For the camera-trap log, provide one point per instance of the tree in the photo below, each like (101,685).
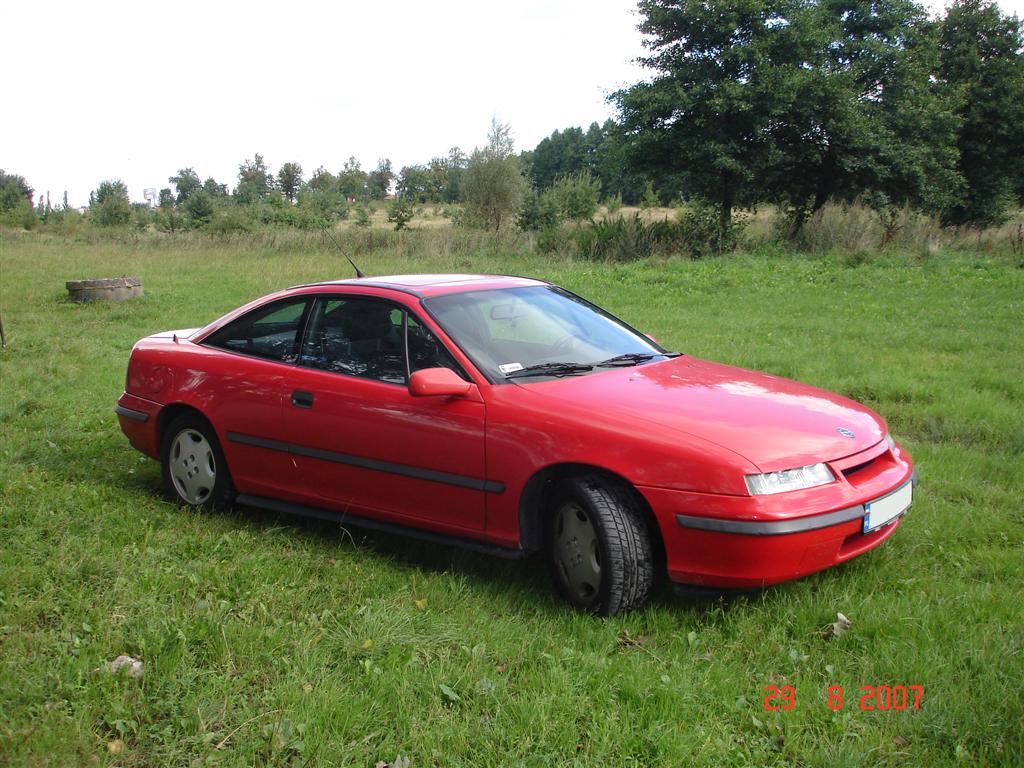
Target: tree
(322,180)
(722,69)
(185,182)
(14,191)
(109,204)
(363,219)
(538,212)
(379,180)
(400,212)
(793,100)
(214,189)
(867,117)
(289,180)
(199,207)
(414,182)
(493,184)
(981,60)
(254,180)
(455,167)
(352,179)
(166,198)
(577,195)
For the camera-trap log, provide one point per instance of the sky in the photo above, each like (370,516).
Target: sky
(139,90)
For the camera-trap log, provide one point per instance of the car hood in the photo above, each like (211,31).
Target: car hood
(774,423)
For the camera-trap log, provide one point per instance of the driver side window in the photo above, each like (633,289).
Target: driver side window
(357,336)
(363,336)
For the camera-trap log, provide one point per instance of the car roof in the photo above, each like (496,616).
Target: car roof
(432,284)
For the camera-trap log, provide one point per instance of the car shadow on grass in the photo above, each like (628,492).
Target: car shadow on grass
(513,581)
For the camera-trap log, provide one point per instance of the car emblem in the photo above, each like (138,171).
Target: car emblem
(845,432)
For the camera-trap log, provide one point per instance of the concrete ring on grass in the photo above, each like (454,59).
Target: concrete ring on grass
(106,289)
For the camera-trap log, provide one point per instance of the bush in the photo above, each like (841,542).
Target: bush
(650,198)
(700,231)
(199,206)
(362,217)
(231,219)
(539,212)
(613,204)
(21,214)
(400,212)
(576,195)
(109,205)
(621,239)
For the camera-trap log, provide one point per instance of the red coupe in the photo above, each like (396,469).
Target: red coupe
(512,416)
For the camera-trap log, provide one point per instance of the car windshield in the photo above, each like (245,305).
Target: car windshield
(538,331)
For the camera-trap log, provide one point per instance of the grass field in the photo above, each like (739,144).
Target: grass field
(269,640)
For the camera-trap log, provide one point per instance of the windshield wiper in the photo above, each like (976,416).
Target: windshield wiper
(550,369)
(633,358)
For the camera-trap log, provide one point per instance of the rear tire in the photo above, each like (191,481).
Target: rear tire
(195,472)
(599,546)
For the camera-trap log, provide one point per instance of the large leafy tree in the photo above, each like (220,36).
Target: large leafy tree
(378,182)
(867,116)
(322,180)
(352,179)
(186,181)
(724,73)
(982,61)
(109,204)
(255,182)
(560,154)
(289,180)
(14,191)
(800,101)
(493,184)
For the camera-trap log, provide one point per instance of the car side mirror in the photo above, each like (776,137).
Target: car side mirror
(438,382)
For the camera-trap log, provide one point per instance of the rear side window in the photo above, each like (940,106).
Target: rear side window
(271,332)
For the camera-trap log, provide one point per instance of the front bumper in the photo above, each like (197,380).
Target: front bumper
(737,542)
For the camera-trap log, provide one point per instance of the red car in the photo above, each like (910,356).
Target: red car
(512,416)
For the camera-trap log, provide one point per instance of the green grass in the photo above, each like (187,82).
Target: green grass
(270,640)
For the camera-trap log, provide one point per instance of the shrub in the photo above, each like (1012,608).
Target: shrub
(700,230)
(362,217)
(576,195)
(400,212)
(618,239)
(230,220)
(21,214)
(650,198)
(539,212)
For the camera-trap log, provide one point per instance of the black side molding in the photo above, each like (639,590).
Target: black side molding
(359,521)
(128,413)
(446,478)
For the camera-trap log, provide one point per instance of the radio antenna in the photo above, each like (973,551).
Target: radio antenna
(359,272)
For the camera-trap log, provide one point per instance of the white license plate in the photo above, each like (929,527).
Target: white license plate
(883,510)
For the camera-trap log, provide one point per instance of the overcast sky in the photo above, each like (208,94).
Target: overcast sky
(137,90)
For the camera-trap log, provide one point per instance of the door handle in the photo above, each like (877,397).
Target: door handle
(302,399)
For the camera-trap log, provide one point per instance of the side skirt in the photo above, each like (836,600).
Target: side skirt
(359,521)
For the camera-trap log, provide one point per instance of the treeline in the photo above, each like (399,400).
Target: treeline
(796,103)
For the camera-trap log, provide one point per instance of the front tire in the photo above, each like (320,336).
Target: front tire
(194,470)
(599,546)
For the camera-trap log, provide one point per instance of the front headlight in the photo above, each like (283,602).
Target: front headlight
(789,479)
